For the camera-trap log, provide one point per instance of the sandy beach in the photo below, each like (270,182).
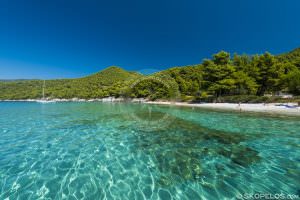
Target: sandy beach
(272,108)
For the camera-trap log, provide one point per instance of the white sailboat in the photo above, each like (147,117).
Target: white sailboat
(44,100)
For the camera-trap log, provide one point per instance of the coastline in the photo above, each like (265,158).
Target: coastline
(290,109)
(107,99)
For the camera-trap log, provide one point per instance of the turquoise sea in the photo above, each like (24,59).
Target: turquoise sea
(136,151)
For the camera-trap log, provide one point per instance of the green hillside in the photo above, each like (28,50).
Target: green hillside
(105,83)
(292,56)
(224,76)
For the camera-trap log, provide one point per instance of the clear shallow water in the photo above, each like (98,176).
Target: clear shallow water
(131,151)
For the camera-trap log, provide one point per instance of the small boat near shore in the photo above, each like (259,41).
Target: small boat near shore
(45,100)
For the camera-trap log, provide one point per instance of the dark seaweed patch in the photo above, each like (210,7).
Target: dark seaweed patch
(178,151)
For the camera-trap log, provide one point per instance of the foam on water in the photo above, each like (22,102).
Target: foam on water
(133,151)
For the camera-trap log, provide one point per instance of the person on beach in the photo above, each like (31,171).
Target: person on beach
(240,106)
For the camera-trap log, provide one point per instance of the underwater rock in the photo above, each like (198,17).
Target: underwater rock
(241,155)
(177,165)
(224,138)
(178,150)
(165,181)
(245,156)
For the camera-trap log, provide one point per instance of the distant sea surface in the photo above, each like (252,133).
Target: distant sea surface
(137,151)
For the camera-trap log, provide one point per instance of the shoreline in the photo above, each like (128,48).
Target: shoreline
(270,108)
(108,99)
(290,109)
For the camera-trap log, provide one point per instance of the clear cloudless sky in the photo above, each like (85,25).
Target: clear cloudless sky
(70,38)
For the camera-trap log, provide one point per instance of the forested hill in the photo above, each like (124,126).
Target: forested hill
(293,55)
(104,83)
(221,76)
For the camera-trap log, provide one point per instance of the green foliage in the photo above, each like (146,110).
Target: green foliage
(269,72)
(243,76)
(188,78)
(293,81)
(157,86)
(150,88)
(109,82)
(292,57)
(222,58)
(222,77)
(185,98)
(244,83)
(245,99)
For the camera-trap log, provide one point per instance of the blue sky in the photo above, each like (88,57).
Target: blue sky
(71,38)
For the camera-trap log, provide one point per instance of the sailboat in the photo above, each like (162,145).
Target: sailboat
(44,100)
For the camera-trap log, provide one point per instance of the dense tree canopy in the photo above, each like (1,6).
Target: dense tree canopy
(223,75)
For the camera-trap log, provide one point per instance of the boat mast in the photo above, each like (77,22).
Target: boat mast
(44,89)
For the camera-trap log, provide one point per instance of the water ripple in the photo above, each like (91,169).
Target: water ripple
(97,151)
